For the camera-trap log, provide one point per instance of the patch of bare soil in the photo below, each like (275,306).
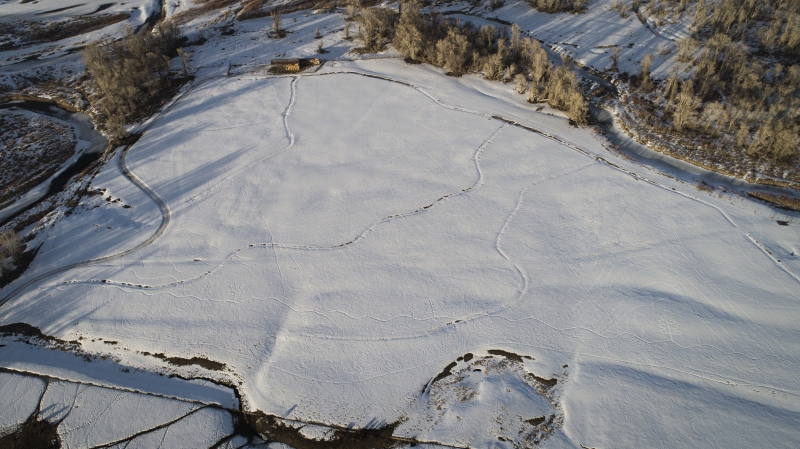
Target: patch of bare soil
(32,147)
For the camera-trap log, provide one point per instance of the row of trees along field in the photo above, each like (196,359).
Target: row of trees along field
(130,74)
(460,48)
(737,80)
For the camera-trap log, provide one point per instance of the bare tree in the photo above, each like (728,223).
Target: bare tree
(577,107)
(673,83)
(615,59)
(277,29)
(408,37)
(522,83)
(686,110)
(129,73)
(452,51)
(686,47)
(647,61)
(184,62)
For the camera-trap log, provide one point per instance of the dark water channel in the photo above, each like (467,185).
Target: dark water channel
(90,147)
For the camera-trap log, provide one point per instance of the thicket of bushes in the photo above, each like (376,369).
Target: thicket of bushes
(131,74)
(554,6)
(743,90)
(461,48)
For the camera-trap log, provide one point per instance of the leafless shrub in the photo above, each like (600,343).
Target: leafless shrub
(620,6)
(184,61)
(251,10)
(646,83)
(554,6)
(615,59)
(686,110)
(10,249)
(686,48)
(461,47)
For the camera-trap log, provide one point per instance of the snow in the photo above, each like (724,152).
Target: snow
(588,37)
(91,416)
(57,364)
(337,240)
(62,9)
(23,397)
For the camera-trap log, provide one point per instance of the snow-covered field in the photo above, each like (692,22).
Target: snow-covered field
(337,240)
(377,244)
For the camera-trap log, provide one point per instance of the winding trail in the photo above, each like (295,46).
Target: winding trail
(166,215)
(166,218)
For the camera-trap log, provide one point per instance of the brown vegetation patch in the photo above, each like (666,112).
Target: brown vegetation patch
(32,147)
(275,429)
(21,262)
(204,7)
(556,6)
(734,106)
(199,361)
(25,33)
(509,355)
(780,201)
(24,329)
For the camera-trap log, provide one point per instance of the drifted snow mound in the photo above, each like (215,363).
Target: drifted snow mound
(491,400)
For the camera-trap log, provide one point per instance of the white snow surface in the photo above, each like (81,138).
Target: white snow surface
(337,240)
(25,392)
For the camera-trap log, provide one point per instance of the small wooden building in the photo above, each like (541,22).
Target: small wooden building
(289,65)
(293,65)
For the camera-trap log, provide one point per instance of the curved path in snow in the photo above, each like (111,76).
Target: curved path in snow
(166,218)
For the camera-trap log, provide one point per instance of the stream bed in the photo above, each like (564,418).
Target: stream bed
(90,146)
